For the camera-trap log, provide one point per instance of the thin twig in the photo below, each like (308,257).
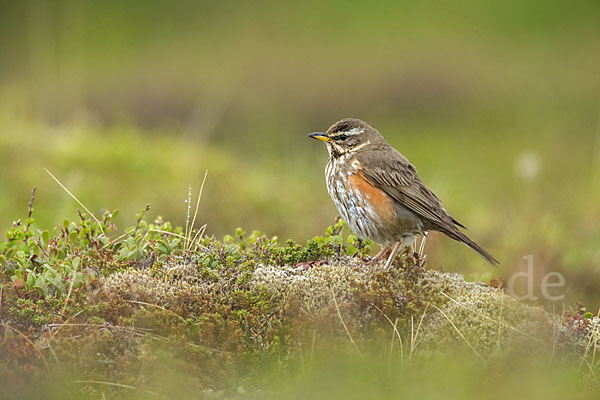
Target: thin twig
(60,327)
(30,342)
(30,211)
(412,334)
(70,290)
(199,233)
(167,233)
(415,334)
(156,306)
(116,240)
(76,199)
(197,206)
(492,319)
(119,385)
(459,332)
(392,343)
(189,208)
(394,325)
(592,374)
(343,323)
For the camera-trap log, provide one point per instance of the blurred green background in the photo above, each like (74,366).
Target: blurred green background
(495,102)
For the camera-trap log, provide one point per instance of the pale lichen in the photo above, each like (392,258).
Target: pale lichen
(449,309)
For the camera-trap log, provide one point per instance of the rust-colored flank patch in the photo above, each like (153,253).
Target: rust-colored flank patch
(376,198)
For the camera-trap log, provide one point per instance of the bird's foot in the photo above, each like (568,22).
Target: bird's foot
(420,260)
(375,259)
(412,259)
(390,259)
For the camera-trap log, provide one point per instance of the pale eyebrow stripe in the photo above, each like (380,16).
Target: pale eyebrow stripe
(354,131)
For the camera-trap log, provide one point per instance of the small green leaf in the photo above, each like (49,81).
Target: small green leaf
(45,237)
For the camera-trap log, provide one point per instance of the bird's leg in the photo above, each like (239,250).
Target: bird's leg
(392,255)
(419,256)
(380,254)
(422,245)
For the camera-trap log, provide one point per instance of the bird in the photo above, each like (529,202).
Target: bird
(379,194)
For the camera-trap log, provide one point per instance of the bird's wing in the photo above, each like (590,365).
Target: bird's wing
(398,178)
(391,172)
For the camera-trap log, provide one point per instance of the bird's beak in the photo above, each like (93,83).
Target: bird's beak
(320,136)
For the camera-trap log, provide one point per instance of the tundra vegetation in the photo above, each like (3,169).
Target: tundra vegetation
(163,311)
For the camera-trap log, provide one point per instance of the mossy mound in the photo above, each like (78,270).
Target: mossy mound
(159,310)
(443,307)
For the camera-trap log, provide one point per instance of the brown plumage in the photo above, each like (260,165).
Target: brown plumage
(377,190)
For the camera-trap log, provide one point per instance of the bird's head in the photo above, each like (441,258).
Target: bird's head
(348,136)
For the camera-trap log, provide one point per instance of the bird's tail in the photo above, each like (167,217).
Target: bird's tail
(461,237)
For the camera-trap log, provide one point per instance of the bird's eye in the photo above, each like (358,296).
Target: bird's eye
(342,137)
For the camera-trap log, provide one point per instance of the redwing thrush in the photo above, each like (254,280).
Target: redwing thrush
(378,193)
